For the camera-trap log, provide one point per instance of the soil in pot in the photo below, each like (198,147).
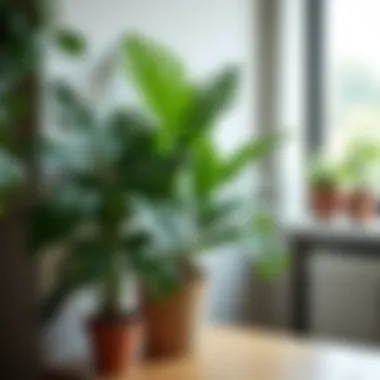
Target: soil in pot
(170,324)
(116,344)
(325,202)
(361,205)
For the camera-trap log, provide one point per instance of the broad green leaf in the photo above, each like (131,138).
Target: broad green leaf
(220,237)
(86,263)
(135,243)
(134,132)
(214,213)
(70,42)
(251,152)
(270,257)
(55,218)
(205,167)
(161,81)
(154,177)
(266,247)
(160,278)
(269,268)
(91,260)
(169,228)
(208,103)
(73,111)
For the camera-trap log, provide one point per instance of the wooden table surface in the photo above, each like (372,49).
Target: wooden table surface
(243,354)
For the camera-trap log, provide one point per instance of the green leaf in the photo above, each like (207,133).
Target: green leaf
(54,219)
(134,132)
(206,166)
(270,256)
(71,43)
(208,103)
(218,236)
(170,230)
(268,269)
(135,243)
(248,153)
(160,278)
(161,81)
(154,178)
(73,111)
(213,213)
(88,261)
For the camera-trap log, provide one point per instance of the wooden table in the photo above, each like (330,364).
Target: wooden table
(340,237)
(244,354)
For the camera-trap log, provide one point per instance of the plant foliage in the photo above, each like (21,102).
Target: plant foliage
(143,190)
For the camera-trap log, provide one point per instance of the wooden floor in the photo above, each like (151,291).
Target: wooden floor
(237,354)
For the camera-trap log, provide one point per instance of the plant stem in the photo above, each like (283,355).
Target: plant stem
(112,294)
(112,306)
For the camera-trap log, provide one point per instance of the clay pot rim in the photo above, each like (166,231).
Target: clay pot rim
(325,188)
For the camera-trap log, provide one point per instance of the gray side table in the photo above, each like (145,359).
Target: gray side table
(339,236)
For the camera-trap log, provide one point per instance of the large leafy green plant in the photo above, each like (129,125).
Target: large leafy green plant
(140,192)
(94,170)
(200,214)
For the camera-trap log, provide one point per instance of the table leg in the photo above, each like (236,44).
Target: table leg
(300,287)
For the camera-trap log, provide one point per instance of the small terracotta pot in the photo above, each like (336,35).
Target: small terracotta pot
(361,205)
(170,325)
(325,202)
(116,345)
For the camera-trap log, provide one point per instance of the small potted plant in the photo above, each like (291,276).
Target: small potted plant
(359,164)
(197,216)
(325,195)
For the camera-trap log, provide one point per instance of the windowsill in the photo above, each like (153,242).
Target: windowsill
(339,227)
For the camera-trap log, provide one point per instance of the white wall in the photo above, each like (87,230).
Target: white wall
(207,34)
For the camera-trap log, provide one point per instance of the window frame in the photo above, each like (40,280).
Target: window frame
(315,51)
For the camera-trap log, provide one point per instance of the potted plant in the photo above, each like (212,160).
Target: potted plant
(109,174)
(93,171)
(200,221)
(325,195)
(200,214)
(359,163)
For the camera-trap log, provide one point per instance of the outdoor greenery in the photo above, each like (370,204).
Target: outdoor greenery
(356,168)
(360,163)
(324,174)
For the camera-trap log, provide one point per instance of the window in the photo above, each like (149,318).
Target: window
(352,72)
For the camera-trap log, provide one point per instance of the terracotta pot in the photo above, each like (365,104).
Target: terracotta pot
(361,205)
(170,325)
(325,202)
(116,345)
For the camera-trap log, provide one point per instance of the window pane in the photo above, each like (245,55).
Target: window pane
(353,72)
